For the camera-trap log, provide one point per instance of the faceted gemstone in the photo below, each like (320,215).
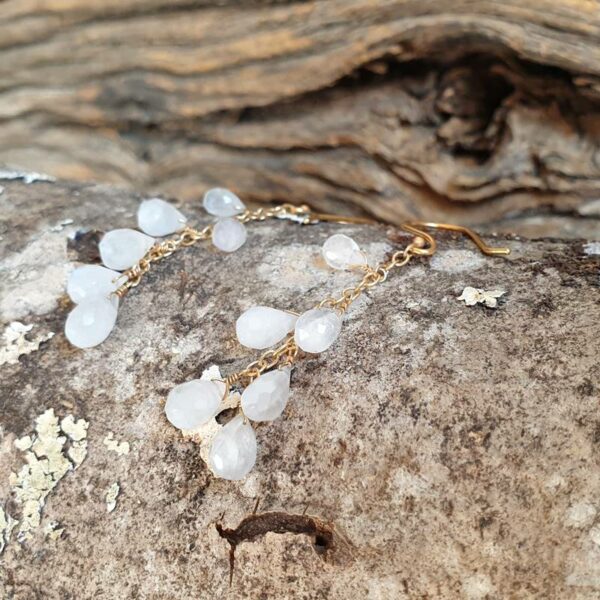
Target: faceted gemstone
(193,403)
(122,248)
(229,235)
(158,218)
(93,281)
(317,329)
(90,322)
(261,326)
(222,203)
(266,397)
(233,451)
(342,252)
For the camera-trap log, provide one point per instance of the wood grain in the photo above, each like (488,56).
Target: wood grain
(468,110)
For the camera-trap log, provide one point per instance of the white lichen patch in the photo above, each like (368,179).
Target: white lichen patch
(16,343)
(111,496)
(25,176)
(49,457)
(592,248)
(121,448)
(472,296)
(580,515)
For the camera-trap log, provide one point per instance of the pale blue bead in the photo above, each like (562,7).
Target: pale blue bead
(222,203)
(90,322)
(120,249)
(93,281)
(159,218)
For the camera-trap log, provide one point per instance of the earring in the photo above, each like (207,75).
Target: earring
(265,383)
(128,254)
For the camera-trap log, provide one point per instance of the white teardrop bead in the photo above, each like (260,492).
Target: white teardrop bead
(342,252)
(93,281)
(317,329)
(120,249)
(193,403)
(229,235)
(233,451)
(158,218)
(266,397)
(261,326)
(222,203)
(90,322)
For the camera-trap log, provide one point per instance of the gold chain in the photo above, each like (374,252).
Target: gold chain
(287,353)
(190,236)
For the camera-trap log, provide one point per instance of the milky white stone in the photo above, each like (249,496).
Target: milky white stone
(93,281)
(233,451)
(158,218)
(122,248)
(342,252)
(261,326)
(266,397)
(317,329)
(222,203)
(193,403)
(90,322)
(229,235)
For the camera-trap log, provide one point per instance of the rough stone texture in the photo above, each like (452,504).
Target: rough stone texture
(468,110)
(437,450)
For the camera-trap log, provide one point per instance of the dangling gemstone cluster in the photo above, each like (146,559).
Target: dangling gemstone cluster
(189,405)
(93,287)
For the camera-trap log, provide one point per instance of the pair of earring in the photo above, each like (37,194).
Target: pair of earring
(261,390)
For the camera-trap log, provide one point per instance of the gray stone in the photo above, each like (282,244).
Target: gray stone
(437,449)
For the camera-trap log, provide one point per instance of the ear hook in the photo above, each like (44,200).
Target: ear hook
(425,244)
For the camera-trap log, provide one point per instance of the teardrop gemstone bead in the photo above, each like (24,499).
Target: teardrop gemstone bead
(317,329)
(266,397)
(193,403)
(229,235)
(233,451)
(261,326)
(159,218)
(93,281)
(222,203)
(90,322)
(120,249)
(342,252)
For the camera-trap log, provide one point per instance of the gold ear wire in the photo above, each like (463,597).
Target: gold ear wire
(425,244)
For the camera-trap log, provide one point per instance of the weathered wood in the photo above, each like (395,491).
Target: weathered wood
(466,110)
(437,450)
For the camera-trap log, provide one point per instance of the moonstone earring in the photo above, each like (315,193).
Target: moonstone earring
(265,383)
(128,254)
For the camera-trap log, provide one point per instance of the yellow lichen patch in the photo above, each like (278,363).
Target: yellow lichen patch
(111,496)
(16,344)
(472,296)
(76,430)
(48,458)
(120,448)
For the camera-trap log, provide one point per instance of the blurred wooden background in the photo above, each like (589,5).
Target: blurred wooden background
(473,111)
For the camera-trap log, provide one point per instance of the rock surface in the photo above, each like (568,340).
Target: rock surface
(435,450)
